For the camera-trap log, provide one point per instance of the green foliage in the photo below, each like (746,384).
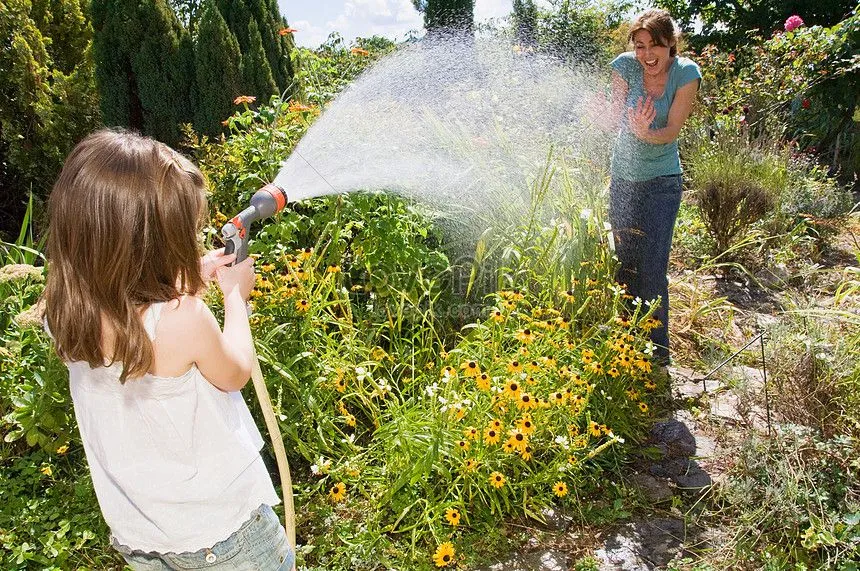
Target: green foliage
(447,16)
(794,501)
(140,80)
(219,79)
(727,24)
(579,30)
(49,100)
(49,518)
(256,73)
(526,20)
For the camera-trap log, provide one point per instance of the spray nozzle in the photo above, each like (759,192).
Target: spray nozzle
(266,202)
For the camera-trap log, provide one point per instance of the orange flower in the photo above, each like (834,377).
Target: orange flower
(244,99)
(359,52)
(296,107)
(287,30)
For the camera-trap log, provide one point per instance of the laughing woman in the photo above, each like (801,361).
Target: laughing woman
(653,91)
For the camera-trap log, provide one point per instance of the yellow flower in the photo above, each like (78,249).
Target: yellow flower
(444,555)
(337,492)
(563,322)
(463,445)
(449,373)
(595,367)
(483,382)
(517,440)
(525,335)
(558,397)
(470,465)
(515,367)
(305,253)
(578,380)
(526,402)
(526,425)
(63,449)
(643,364)
(497,316)
(497,479)
(512,390)
(650,385)
(471,367)
(333,269)
(267,267)
(613,372)
(526,454)
(350,420)
(569,296)
(303,305)
(593,428)
(340,384)
(532,366)
(650,324)
(46,470)
(560,489)
(632,394)
(452,516)
(491,435)
(643,407)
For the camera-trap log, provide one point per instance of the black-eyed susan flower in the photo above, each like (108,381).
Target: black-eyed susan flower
(463,445)
(444,555)
(508,447)
(483,381)
(305,253)
(497,316)
(613,372)
(470,368)
(533,366)
(569,296)
(559,489)
(452,516)
(530,380)
(650,323)
(337,493)
(471,433)
(512,390)
(650,385)
(491,435)
(593,428)
(449,374)
(525,336)
(577,379)
(340,384)
(632,394)
(517,440)
(526,454)
(643,407)
(470,465)
(333,269)
(515,367)
(497,479)
(558,398)
(303,305)
(526,402)
(525,424)
(496,423)
(350,420)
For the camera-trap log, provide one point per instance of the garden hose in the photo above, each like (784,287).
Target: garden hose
(266,202)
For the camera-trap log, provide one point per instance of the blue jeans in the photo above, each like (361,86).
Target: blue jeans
(259,545)
(643,219)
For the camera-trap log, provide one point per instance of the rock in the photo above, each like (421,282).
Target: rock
(556,521)
(694,478)
(655,490)
(669,467)
(544,560)
(643,545)
(677,438)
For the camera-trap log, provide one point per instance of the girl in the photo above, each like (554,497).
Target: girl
(653,91)
(172,448)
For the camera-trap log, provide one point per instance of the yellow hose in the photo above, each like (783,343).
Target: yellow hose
(280,453)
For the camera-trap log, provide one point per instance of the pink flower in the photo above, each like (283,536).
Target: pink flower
(793,22)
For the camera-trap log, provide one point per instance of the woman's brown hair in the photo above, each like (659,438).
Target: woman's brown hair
(661,26)
(124,219)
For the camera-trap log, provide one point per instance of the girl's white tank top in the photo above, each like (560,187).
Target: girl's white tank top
(175,461)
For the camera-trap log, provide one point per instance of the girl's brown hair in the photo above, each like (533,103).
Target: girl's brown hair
(124,218)
(661,26)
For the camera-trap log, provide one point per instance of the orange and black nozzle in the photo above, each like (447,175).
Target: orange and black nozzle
(266,202)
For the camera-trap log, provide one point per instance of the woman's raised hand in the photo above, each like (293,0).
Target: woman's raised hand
(639,118)
(213,260)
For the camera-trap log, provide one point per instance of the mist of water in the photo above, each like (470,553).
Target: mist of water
(460,126)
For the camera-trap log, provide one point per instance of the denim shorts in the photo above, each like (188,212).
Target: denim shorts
(259,545)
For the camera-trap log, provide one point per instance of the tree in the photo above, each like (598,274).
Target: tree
(447,16)
(137,53)
(727,23)
(256,73)
(218,74)
(48,104)
(526,22)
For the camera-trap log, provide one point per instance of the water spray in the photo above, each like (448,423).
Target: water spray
(266,202)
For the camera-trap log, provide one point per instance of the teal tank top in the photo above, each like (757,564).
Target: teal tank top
(636,160)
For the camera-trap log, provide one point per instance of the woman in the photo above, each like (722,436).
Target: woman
(653,91)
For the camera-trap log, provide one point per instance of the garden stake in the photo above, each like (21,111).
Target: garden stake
(266,202)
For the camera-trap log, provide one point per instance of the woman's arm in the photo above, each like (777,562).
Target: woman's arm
(681,108)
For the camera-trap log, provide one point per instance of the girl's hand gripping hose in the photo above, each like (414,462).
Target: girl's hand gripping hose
(266,202)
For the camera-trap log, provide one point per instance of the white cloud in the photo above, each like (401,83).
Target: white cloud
(486,9)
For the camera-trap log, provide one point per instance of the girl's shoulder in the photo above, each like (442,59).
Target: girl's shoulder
(625,64)
(686,70)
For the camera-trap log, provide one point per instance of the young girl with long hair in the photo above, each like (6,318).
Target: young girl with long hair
(172,448)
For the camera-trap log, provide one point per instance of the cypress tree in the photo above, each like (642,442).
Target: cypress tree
(219,78)
(276,46)
(136,47)
(256,73)
(525,19)
(449,16)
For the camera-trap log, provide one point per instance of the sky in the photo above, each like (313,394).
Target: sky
(316,19)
